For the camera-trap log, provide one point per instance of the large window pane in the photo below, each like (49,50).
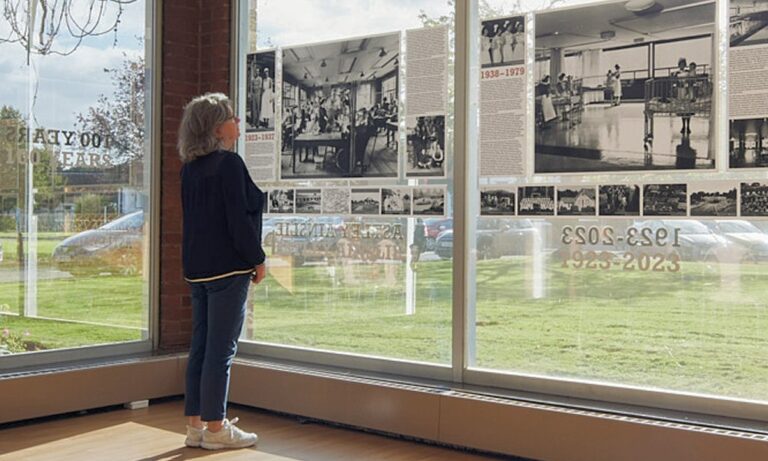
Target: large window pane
(683,311)
(74,176)
(340,282)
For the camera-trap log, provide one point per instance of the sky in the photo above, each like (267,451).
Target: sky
(279,24)
(67,85)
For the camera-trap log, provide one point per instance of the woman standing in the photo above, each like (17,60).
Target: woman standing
(617,85)
(683,81)
(268,100)
(222,254)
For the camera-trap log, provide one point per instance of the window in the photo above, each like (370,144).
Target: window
(74,180)
(620,255)
(350,281)
(612,311)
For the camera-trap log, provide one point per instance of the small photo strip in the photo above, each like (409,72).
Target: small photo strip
(536,201)
(754,199)
(713,199)
(619,200)
(576,201)
(335,201)
(665,200)
(281,201)
(429,201)
(365,202)
(396,200)
(308,201)
(498,200)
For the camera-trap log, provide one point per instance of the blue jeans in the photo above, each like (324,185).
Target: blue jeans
(218,312)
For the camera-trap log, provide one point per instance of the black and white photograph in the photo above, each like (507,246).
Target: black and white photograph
(498,201)
(748,143)
(713,199)
(340,109)
(335,200)
(281,201)
(619,200)
(665,200)
(308,201)
(625,86)
(429,201)
(536,200)
(747,22)
(754,199)
(365,201)
(426,146)
(576,201)
(260,91)
(396,200)
(502,41)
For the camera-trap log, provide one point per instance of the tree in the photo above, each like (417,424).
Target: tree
(59,26)
(120,116)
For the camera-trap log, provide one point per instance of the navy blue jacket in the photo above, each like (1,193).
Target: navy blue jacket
(222,217)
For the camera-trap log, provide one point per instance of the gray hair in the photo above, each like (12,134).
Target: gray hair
(201,117)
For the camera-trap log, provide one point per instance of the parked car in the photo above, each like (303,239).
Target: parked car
(496,238)
(115,246)
(750,244)
(697,242)
(434,227)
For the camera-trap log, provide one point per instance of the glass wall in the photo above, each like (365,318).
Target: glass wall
(642,271)
(622,250)
(74,174)
(353,280)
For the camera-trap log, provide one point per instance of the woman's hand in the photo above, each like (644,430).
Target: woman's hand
(259,273)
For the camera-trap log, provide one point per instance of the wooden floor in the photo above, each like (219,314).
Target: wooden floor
(157,434)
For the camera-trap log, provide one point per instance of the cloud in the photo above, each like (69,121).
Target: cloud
(338,19)
(65,85)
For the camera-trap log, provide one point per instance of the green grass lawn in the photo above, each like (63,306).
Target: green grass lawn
(703,329)
(46,242)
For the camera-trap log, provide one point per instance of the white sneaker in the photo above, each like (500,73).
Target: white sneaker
(194,437)
(230,436)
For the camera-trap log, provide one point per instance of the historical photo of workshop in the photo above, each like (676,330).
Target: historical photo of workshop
(625,86)
(426,146)
(396,200)
(748,143)
(712,199)
(308,201)
(754,199)
(339,109)
(747,22)
(365,202)
(429,201)
(576,201)
(536,200)
(665,200)
(260,92)
(281,200)
(619,200)
(498,201)
(502,42)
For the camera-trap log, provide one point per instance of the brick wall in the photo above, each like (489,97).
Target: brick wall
(196,47)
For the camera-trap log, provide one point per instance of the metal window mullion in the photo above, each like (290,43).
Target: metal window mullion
(461,276)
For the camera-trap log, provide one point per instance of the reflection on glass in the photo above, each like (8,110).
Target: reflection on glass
(351,282)
(73,181)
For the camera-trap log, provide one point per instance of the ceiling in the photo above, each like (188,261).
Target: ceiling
(580,28)
(344,61)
